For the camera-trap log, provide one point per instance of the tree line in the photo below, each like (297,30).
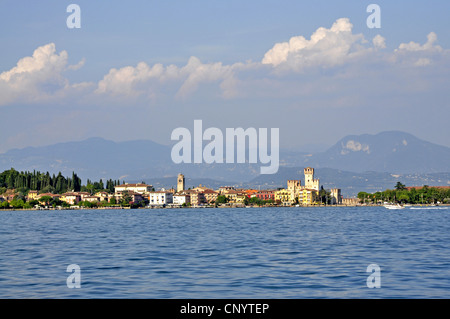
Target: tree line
(401,194)
(46,183)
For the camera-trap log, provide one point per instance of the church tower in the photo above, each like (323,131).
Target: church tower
(180,183)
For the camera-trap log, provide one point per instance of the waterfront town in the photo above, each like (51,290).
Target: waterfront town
(61,193)
(136,195)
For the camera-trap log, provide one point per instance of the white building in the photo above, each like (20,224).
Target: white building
(181,199)
(136,188)
(160,198)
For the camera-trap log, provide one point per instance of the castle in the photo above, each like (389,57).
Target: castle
(310,183)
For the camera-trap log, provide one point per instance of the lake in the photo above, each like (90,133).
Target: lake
(272,253)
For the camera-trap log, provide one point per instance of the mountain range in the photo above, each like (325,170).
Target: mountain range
(395,152)
(356,162)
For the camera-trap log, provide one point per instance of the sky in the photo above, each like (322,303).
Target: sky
(140,69)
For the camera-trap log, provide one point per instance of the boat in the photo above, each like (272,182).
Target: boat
(396,206)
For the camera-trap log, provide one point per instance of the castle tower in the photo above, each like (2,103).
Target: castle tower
(336,197)
(294,185)
(310,182)
(180,183)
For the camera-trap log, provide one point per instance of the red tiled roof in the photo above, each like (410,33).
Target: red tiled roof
(209,191)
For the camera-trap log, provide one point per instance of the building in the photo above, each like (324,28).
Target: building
(310,181)
(137,188)
(224,189)
(298,193)
(53,196)
(249,192)
(135,198)
(71,198)
(350,201)
(264,195)
(200,188)
(307,196)
(160,198)
(235,196)
(284,196)
(92,199)
(32,195)
(180,183)
(294,187)
(210,195)
(336,197)
(84,195)
(102,195)
(180,199)
(197,198)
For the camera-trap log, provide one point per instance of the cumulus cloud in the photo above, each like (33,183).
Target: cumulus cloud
(428,46)
(36,77)
(419,55)
(41,76)
(197,73)
(143,79)
(379,42)
(326,48)
(125,81)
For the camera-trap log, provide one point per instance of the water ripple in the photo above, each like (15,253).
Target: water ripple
(226,253)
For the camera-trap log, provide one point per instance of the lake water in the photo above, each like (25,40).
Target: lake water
(226,253)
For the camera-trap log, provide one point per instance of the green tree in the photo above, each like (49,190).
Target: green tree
(86,204)
(48,189)
(399,186)
(403,198)
(76,183)
(4,205)
(46,200)
(33,202)
(221,199)
(17,203)
(126,199)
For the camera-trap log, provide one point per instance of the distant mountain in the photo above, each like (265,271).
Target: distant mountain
(97,158)
(393,152)
(363,161)
(93,158)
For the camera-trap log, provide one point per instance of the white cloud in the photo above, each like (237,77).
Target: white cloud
(379,42)
(415,54)
(143,79)
(346,56)
(428,46)
(326,48)
(125,81)
(37,77)
(197,73)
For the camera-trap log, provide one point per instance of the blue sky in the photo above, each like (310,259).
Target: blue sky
(139,69)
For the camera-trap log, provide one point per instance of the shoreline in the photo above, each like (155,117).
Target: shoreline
(208,206)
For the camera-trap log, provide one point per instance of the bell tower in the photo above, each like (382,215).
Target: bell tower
(180,183)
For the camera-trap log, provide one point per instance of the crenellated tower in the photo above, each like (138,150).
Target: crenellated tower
(310,182)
